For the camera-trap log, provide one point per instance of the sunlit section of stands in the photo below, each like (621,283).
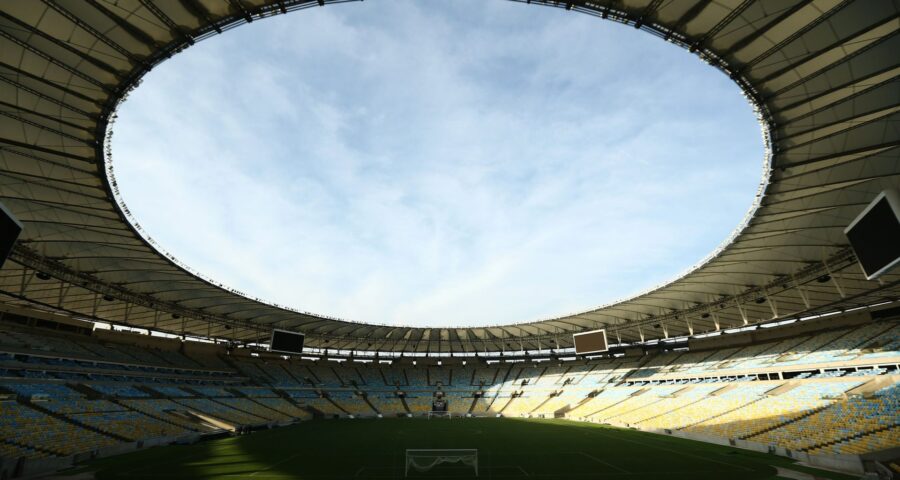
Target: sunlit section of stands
(884,345)
(773,410)
(669,403)
(554,404)
(637,401)
(524,404)
(841,422)
(531,376)
(214,409)
(870,442)
(721,401)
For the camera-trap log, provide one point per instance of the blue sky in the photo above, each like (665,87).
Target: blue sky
(437,163)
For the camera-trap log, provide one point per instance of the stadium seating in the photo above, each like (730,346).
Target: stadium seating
(840,425)
(216,409)
(167,411)
(459,403)
(419,405)
(103,394)
(774,410)
(387,403)
(30,429)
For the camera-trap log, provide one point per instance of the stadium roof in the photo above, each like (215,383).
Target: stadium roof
(822,73)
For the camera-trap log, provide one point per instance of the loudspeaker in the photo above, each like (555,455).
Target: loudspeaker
(10,228)
(875,235)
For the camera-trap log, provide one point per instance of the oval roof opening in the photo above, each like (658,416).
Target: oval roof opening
(432,165)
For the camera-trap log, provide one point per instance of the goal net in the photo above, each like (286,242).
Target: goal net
(444,414)
(423,460)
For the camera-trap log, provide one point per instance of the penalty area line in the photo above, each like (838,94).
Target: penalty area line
(603,462)
(677,452)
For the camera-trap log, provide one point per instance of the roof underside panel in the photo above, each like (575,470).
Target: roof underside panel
(823,75)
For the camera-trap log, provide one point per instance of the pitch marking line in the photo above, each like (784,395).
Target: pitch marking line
(523,471)
(677,452)
(603,462)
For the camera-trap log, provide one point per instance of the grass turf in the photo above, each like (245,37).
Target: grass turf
(508,448)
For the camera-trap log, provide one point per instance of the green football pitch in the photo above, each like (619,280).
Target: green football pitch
(507,449)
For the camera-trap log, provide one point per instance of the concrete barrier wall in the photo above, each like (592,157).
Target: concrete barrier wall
(116,449)
(38,466)
(154,442)
(848,463)
(8,467)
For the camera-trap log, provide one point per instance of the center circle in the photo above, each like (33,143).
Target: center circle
(437,164)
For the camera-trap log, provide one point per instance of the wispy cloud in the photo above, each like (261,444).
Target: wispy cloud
(437,163)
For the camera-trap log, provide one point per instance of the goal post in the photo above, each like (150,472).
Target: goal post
(441,414)
(424,459)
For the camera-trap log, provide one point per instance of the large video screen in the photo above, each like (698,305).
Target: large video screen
(875,235)
(590,342)
(9,232)
(286,342)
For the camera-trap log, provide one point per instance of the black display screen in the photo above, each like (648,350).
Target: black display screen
(287,342)
(9,232)
(876,238)
(590,342)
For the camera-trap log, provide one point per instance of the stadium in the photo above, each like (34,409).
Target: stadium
(778,356)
